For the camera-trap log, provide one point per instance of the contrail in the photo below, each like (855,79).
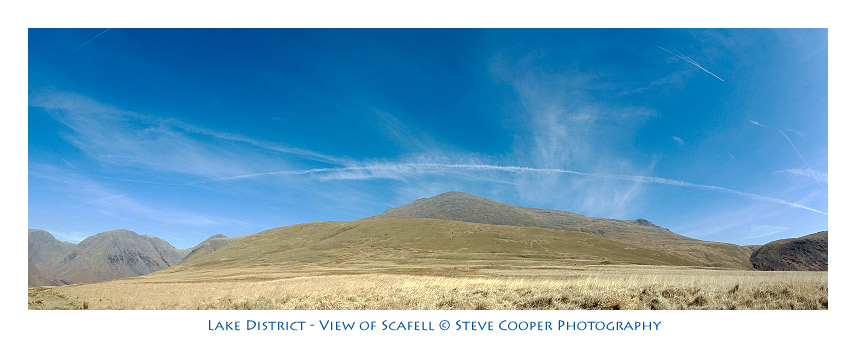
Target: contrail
(754,122)
(100,200)
(420,168)
(690,61)
(84,44)
(799,155)
(814,176)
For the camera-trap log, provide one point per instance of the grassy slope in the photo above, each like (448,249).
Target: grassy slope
(424,243)
(209,245)
(642,233)
(438,264)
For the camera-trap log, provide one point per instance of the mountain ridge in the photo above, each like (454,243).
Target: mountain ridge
(44,251)
(123,253)
(104,256)
(460,206)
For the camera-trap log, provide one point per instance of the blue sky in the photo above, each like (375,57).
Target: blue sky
(715,134)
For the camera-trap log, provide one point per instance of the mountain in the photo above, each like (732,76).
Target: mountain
(44,251)
(418,246)
(472,208)
(211,244)
(441,234)
(807,253)
(115,254)
(455,229)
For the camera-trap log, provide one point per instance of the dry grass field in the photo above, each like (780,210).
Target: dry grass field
(442,264)
(539,287)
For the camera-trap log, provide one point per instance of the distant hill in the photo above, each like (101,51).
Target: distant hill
(808,253)
(116,254)
(104,256)
(211,244)
(472,208)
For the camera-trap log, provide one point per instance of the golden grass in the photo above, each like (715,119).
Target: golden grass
(578,287)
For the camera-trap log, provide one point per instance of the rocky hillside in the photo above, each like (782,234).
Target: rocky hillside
(44,251)
(104,256)
(808,253)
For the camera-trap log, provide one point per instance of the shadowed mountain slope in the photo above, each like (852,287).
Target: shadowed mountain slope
(472,208)
(116,254)
(808,253)
(44,251)
(37,277)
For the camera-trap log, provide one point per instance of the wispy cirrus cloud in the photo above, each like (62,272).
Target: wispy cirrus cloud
(400,170)
(806,172)
(100,197)
(119,137)
(811,173)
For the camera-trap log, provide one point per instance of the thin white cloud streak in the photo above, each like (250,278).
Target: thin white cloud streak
(415,169)
(678,140)
(307,154)
(814,177)
(754,122)
(761,231)
(119,137)
(84,44)
(812,173)
(728,221)
(690,61)
(806,172)
(102,198)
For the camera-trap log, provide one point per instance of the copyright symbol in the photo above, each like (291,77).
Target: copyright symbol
(444,325)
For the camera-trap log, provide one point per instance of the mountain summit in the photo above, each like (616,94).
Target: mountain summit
(467,207)
(473,208)
(106,256)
